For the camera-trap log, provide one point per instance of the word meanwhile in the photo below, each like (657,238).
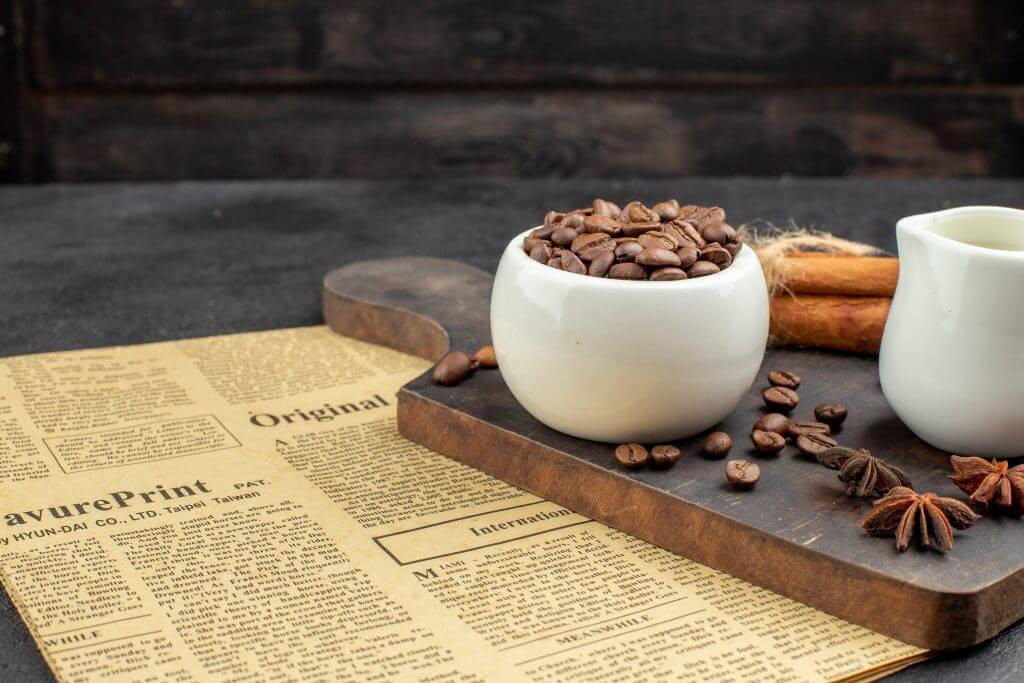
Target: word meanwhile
(112,500)
(325,414)
(532,519)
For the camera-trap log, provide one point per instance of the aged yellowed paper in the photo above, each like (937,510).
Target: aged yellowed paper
(242,508)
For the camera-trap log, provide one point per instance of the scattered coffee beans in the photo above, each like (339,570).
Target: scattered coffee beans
(780,398)
(814,443)
(664,243)
(768,443)
(784,378)
(631,455)
(797,428)
(831,413)
(485,357)
(717,445)
(773,422)
(453,368)
(665,455)
(742,474)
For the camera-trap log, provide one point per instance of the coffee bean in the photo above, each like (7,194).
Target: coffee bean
(573,221)
(798,427)
(777,398)
(657,258)
(541,252)
(635,212)
(485,357)
(773,422)
(667,273)
(637,229)
(591,245)
(723,233)
(812,444)
(563,236)
(767,442)
(627,251)
(702,268)
(831,413)
(605,224)
(552,219)
(717,445)
(453,368)
(717,255)
(689,232)
(555,262)
(688,255)
(742,474)
(571,263)
(627,271)
(605,208)
(784,378)
(631,455)
(666,210)
(665,455)
(656,239)
(600,265)
(530,242)
(733,247)
(585,211)
(702,215)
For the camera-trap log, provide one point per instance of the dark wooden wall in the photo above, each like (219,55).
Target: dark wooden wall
(168,89)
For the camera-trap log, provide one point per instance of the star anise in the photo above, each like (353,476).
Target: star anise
(865,473)
(990,482)
(905,513)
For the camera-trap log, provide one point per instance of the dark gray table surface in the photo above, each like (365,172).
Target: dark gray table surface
(96,265)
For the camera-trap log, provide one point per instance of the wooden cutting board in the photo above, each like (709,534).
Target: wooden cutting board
(796,533)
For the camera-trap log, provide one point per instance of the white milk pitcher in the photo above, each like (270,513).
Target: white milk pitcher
(952,358)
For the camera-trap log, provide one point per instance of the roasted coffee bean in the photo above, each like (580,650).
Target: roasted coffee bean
(773,422)
(541,252)
(627,271)
(555,262)
(665,455)
(733,247)
(627,251)
(689,233)
(831,413)
(767,442)
(716,254)
(585,211)
(688,255)
(667,273)
(656,239)
(784,378)
(637,229)
(657,258)
(631,455)
(778,398)
(590,246)
(453,368)
(798,427)
(636,212)
(543,233)
(742,474)
(530,242)
(573,221)
(666,210)
(717,445)
(571,263)
(812,444)
(563,236)
(702,268)
(553,218)
(723,233)
(601,223)
(601,264)
(485,357)
(702,215)
(603,207)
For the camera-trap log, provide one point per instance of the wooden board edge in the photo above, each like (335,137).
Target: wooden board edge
(895,609)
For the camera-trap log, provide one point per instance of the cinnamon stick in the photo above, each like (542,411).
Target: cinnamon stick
(817,273)
(840,323)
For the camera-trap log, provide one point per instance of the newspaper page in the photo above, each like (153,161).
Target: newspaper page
(242,508)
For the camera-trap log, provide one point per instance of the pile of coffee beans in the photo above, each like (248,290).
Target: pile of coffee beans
(770,433)
(661,243)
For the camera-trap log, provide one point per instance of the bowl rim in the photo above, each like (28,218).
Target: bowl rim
(742,263)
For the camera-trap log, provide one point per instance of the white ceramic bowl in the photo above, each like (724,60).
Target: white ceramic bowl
(620,361)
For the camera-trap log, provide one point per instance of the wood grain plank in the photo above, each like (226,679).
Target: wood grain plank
(511,133)
(155,43)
